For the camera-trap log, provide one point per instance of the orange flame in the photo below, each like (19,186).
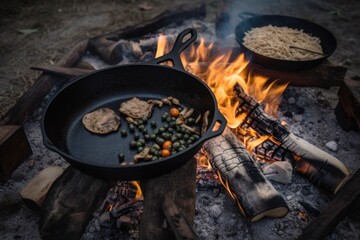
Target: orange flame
(139,194)
(222,75)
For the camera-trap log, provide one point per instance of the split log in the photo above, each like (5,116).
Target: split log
(34,193)
(254,194)
(108,46)
(321,168)
(344,203)
(14,149)
(179,186)
(69,204)
(348,108)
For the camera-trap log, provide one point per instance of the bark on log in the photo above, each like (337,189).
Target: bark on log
(62,71)
(344,202)
(321,168)
(34,193)
(70,203)
(108,46)
(179,186)
(254,194)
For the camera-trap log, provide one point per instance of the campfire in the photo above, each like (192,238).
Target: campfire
(256,146)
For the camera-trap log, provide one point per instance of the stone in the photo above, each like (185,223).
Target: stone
(332,145)
(215,211)
(280,171)
(297,117)
(291,100)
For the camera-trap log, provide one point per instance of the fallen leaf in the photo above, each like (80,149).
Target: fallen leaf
(27,31)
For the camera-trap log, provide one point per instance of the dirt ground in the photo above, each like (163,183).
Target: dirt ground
(41,32)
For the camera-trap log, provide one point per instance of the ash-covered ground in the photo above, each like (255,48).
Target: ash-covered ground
(217,215)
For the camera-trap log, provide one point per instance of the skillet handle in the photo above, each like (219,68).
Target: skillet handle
(174,55)
(219,119)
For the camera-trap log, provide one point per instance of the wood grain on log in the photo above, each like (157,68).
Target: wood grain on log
(321,168)
(62,71)
(70,203)
(108,46)
(344,202)
(254,194)
(179,186)
(34,193)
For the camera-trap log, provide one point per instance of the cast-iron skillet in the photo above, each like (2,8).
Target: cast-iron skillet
(95,154)
(328,41)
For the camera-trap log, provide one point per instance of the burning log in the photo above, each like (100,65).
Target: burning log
(322,169)
(253,193)
(69,204)
(179,186)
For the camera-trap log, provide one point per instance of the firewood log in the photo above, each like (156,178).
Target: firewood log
(321,168)
(34,193)
(179,186)
(254,194)
(70,203)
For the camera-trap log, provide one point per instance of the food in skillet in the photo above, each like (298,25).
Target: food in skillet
(178,128)
(101,121)
(283,43)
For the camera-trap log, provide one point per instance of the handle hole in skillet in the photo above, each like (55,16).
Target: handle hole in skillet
(166,63)
(216,126)
(186,37)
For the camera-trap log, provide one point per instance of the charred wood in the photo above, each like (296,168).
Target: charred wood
(70,203)
(108,46)
(253,193)
(180,188)
(321,168)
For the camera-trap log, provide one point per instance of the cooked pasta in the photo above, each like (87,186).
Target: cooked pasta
(282,43)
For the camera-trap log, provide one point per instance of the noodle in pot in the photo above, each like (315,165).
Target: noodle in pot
(277,42)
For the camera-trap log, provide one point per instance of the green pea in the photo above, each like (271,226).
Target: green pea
(166,126)
(139,149)
(179,135)
(156,147)
(176,145)
(153,124)
(154,158)
(172,123)
(186,136)
(190,121)
(181,148)
(192,139)
(140,122)
(144,120)
(141,127)
(133,144)
(153,136)
(142,141)
(136,136)
(164,116)
(173,138)
(189,142)
(161,130)
(144,130)
(182,142)
(159,141)
(132,128)
(156,131)
(139,144)
(123,132)
(170,130)
(146,137)
(121,157)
